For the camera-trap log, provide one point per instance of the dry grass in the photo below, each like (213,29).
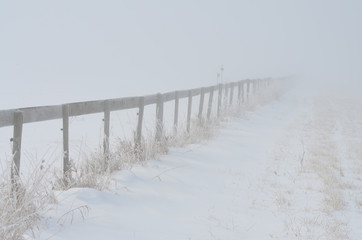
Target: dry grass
(20,211)
(323,164)
(93,169)
(282,201)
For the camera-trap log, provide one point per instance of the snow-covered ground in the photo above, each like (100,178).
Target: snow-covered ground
(290,169)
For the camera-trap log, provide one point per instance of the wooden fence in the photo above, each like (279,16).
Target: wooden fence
(18,117)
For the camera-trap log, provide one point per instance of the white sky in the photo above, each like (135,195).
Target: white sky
(53,52)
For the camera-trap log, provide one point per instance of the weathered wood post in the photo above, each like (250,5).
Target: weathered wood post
(175,116)
(66,164)
(201,106)
(219,101)
(209,106)
(138,146)
(248,90)
(226,95)
(159,117)
(255,86)
(231,93)
(242,91)
(106,119)
(239,93)
(189,112)
(262,84)
(17,136)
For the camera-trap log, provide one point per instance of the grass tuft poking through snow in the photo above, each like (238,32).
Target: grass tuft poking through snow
(94,170)
(20,211)
(324,182)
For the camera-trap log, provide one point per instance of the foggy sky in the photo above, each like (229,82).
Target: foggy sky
(53,52)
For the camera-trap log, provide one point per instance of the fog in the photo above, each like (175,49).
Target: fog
(52,52)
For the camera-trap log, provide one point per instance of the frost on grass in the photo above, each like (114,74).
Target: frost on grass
(20,211)
(93,170)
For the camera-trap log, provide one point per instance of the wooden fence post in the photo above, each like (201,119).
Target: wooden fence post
(201,106)
(231,93)
(106,119)
(17,136)
(247,90)
(209,106)
(226,96)
(243,94)
(141,108)
(140,120)
(159,117)
(239,93)
(189,112)
(66,165)
(175,117)
(254,85)
(262,85)
(219,101)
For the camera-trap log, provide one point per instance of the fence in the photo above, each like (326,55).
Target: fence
(18,117)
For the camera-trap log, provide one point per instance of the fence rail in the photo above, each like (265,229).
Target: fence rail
(18,117)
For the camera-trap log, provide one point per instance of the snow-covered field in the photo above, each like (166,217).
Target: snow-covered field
(290,169)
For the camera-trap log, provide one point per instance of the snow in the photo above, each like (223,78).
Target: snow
(286,170)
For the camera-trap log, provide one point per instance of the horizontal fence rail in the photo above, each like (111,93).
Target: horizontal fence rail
(45,113)
(225,92)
